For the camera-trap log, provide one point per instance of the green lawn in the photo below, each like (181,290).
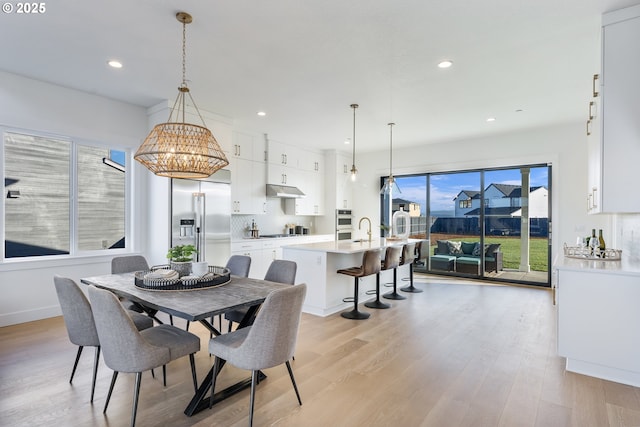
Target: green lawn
(510,247)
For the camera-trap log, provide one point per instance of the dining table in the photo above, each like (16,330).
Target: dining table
(195,305)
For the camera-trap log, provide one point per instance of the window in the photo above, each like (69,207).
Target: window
(464,204)
(62,197)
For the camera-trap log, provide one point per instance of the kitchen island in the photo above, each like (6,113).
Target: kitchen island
(319,262)
(598,318)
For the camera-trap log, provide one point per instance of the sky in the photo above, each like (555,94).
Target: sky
(445,187)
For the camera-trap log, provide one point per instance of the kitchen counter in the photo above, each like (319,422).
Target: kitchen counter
(351,247)
(319,262)
(624,266)
(598,317)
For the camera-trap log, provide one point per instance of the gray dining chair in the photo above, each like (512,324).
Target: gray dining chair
(238,265)
(128,350)
(130,264)
(81,328)
(269,342)
(280,271)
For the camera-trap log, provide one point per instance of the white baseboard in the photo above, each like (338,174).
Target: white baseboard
(29,315)
(605,372)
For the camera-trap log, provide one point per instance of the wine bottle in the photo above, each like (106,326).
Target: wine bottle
(602,244)
(594,243)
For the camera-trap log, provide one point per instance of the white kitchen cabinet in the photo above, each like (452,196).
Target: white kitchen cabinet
(296,167)
(598,318)
(264,251)
(343,183)
(253,249)
(248,175)
(618,108)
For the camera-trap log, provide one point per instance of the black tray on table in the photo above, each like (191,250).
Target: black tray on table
(217,276)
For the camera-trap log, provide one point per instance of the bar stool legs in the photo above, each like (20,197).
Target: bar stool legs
(411,288)
(377,303)
(354,314)
(394,294)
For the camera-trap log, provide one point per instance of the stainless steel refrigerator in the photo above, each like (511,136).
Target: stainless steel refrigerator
(201,216)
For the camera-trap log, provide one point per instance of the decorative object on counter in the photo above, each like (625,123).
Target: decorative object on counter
(603,246)
(581,252)
(354,171)
(255,233)
(177,149)
(180,258)
(162,278)
(400,221)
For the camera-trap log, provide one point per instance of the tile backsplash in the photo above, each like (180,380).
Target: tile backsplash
(272,222)
(628,236)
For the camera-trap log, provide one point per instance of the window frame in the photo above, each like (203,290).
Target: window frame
(74,251)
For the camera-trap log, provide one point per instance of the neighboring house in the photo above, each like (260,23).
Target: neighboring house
(502,200)
(406,205)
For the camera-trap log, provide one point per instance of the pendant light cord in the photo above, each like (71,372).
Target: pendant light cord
(391,152)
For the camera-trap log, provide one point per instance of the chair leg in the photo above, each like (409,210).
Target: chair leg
(355,314)
(411,288)
(75,365)
(187,328)
(377,303)
(193,372)
(95,372)
(216,369)
(254,380)
(136,395)
(113,382)
(153,374)
(164,375)
(293,381)
(394,295)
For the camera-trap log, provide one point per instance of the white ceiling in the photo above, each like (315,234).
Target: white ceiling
(304,62)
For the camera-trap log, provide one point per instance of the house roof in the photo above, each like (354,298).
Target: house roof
(403,201)
(471,194)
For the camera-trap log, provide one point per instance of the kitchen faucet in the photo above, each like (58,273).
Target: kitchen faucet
(360,224)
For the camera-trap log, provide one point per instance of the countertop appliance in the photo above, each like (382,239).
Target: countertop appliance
(201,216)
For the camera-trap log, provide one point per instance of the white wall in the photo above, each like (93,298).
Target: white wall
(27,286)
(563,146)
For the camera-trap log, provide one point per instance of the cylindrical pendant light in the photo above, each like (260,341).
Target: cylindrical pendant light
(354,171)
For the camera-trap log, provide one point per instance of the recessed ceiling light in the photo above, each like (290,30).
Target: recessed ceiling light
(491,119)
(347,141)
(115,64)
(519,110)
(262,113)
(445,64)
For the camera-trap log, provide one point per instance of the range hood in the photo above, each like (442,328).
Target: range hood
(284,191)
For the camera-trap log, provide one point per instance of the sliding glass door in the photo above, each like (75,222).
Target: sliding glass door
(489,223)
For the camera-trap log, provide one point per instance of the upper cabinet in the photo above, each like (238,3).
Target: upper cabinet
(248,174)
(297,167)
(616,125)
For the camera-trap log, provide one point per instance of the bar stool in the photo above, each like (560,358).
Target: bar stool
(391,260)
(409,257)
(398,262)
(370,265)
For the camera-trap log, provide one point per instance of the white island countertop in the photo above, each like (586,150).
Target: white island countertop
(350,247)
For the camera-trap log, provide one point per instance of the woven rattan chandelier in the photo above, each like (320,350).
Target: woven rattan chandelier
(177,149)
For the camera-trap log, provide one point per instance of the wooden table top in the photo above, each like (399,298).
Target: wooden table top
(192,305)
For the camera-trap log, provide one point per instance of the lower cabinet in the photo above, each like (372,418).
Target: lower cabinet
(264,251)
(598,320)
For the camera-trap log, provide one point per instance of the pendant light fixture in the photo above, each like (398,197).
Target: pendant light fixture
(354,171)
(390,185)
(177,149)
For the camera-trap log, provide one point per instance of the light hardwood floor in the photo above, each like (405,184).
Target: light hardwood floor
(461,353)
